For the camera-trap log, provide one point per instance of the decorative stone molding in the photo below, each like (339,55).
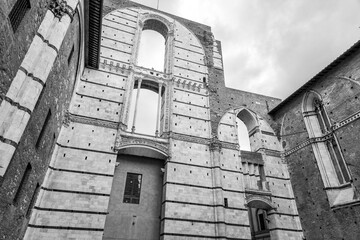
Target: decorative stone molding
(122,126)
(123,141)
(59,8)
(326,137)
(189,138)
(259,200)
(346,121)
(233,146)
(111,67)
(151,74)
(189,85)
(308,142)
(166,116)
(69,117)
(146,16)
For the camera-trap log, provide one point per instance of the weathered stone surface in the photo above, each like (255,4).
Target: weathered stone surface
(55,96)
(74,160)
(339,89)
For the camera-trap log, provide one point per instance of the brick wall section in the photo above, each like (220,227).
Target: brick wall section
(56,97)
(14,45)
(341,100)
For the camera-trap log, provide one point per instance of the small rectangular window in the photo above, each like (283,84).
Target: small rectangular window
(225,202)
(132,188)
(47,119)
(17,13)
(22,185)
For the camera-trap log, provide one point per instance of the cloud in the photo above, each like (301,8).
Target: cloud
(272,47)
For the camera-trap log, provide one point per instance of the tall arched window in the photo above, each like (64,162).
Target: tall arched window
(243,135)
(252,162)
(155,45)
(335,153)
(152,47)
(326,149)
(152,50)
(246,126)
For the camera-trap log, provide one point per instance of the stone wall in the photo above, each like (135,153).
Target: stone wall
(14,45)
(197,136)
(38,141)
(339,88)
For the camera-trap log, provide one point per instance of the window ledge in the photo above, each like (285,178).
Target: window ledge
(354,202)
(258,191)
(341,196)
(343,186)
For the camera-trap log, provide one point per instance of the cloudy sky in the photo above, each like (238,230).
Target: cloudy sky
(272,47)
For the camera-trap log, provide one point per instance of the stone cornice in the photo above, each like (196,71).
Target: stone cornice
(70,117)
(126,140)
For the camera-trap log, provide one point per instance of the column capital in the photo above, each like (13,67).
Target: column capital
(60,7)
(139,78)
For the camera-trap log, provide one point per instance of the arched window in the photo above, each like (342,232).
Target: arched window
(152,50)
(327,152)
(146,108)
(335,153)
(252,162)
(246,126)
(243,135)
(152,47)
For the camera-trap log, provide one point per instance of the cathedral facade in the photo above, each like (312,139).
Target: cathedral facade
(75,166)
